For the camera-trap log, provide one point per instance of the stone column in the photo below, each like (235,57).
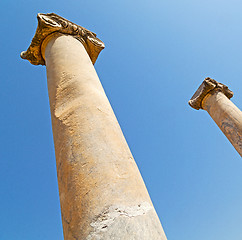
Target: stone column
(101,191)
(214,98)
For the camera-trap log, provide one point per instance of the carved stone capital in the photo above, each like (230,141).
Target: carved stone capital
(208,86)
(50,23)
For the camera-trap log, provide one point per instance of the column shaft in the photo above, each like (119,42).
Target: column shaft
(227,116)
(102,193)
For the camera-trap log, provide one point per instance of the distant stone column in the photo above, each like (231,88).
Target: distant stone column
(214,98)
(101,191)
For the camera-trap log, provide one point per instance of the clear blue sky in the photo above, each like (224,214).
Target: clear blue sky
(157,54)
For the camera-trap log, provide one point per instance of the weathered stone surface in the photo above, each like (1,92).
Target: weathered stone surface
(125,223)
(214,98)
(51,23)
(96,170)
(102,193)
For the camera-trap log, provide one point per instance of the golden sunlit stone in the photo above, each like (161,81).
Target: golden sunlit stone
(101,191)
(52,23)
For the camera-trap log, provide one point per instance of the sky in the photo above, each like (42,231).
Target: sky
(157,54)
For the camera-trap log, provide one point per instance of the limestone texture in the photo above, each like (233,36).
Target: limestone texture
(102,193)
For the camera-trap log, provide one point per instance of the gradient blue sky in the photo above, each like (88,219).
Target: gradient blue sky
(157,54)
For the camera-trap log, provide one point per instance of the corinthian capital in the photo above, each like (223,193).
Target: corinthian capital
(51,23)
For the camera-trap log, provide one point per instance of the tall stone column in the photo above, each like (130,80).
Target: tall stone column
(214,98)
(101,191)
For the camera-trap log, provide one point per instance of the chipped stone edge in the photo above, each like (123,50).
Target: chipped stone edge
(207,86)
(104,220)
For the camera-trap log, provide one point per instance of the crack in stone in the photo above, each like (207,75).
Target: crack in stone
(70,230)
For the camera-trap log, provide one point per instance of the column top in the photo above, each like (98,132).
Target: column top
(209,85)
(50,23)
